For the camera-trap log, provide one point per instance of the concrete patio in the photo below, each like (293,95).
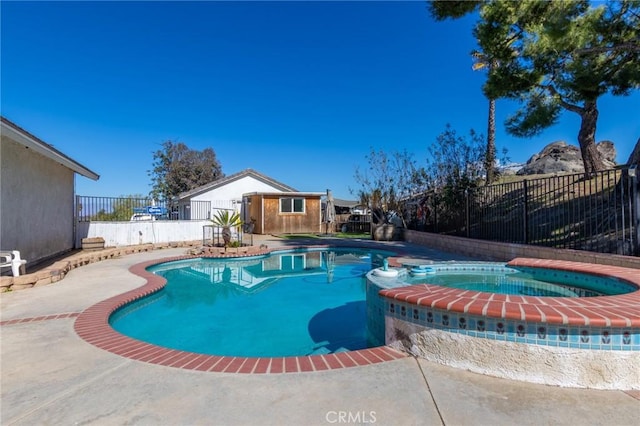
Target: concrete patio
(51,376)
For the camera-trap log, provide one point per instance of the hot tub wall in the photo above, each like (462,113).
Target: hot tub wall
(566,367)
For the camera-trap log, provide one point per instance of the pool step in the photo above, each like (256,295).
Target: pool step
(320,351)
(324,351)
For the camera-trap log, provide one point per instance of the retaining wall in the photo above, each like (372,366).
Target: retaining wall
(504,252)
(57,271)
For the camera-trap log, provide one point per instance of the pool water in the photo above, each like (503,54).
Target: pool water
(284,304)
(525,282)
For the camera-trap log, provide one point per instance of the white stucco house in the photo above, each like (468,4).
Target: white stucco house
(37,195)
(226,193)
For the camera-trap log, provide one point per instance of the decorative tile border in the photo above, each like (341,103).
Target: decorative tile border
(92,325)
(602,323)
(535,333)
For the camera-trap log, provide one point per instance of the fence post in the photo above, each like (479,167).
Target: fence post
(468,214)
(525,213)
(635,203)
(435,212)
(76,214)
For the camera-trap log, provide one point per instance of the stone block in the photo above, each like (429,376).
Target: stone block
(24,280)
(57,277)
(62,265)
(95,243)
(21,286)
(6,282)
(43,282)
(41,275)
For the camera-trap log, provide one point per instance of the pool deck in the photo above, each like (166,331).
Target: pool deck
(49,375)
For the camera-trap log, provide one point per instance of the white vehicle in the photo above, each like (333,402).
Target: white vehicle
(141,216)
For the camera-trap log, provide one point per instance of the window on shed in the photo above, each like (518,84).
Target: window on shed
(291,205)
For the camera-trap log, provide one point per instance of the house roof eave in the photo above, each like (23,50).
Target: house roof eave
(30,141)
(231,178)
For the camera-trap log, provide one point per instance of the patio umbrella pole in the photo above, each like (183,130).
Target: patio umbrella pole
(330,211)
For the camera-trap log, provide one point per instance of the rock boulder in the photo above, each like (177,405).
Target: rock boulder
(560,157)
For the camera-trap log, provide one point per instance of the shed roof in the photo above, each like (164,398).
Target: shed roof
(21,136)
(286,194)
(236,176)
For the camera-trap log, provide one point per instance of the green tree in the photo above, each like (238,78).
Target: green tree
(483,62)
(177,169)
(557,56)
(455,9)
(444,9)
(226,220)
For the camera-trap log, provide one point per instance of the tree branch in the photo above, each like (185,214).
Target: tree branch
(629,46)
(566,105)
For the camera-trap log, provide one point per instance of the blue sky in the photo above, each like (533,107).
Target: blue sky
(299,91)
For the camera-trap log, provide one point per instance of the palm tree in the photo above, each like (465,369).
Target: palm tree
(226,220)
(482,61)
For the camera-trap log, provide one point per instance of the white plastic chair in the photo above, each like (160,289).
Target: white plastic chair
(5,259)
(12,259)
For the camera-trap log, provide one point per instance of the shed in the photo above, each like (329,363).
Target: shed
(37,195)
(284,212)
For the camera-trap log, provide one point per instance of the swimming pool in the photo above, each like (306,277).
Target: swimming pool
(292,303)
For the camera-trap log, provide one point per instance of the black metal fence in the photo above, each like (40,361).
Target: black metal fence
(112,209)
(599,214)
(194,210)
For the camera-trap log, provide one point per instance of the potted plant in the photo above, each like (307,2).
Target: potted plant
(226,220)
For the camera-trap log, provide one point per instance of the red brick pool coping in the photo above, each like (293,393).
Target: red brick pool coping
(605,311)
(92,325)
